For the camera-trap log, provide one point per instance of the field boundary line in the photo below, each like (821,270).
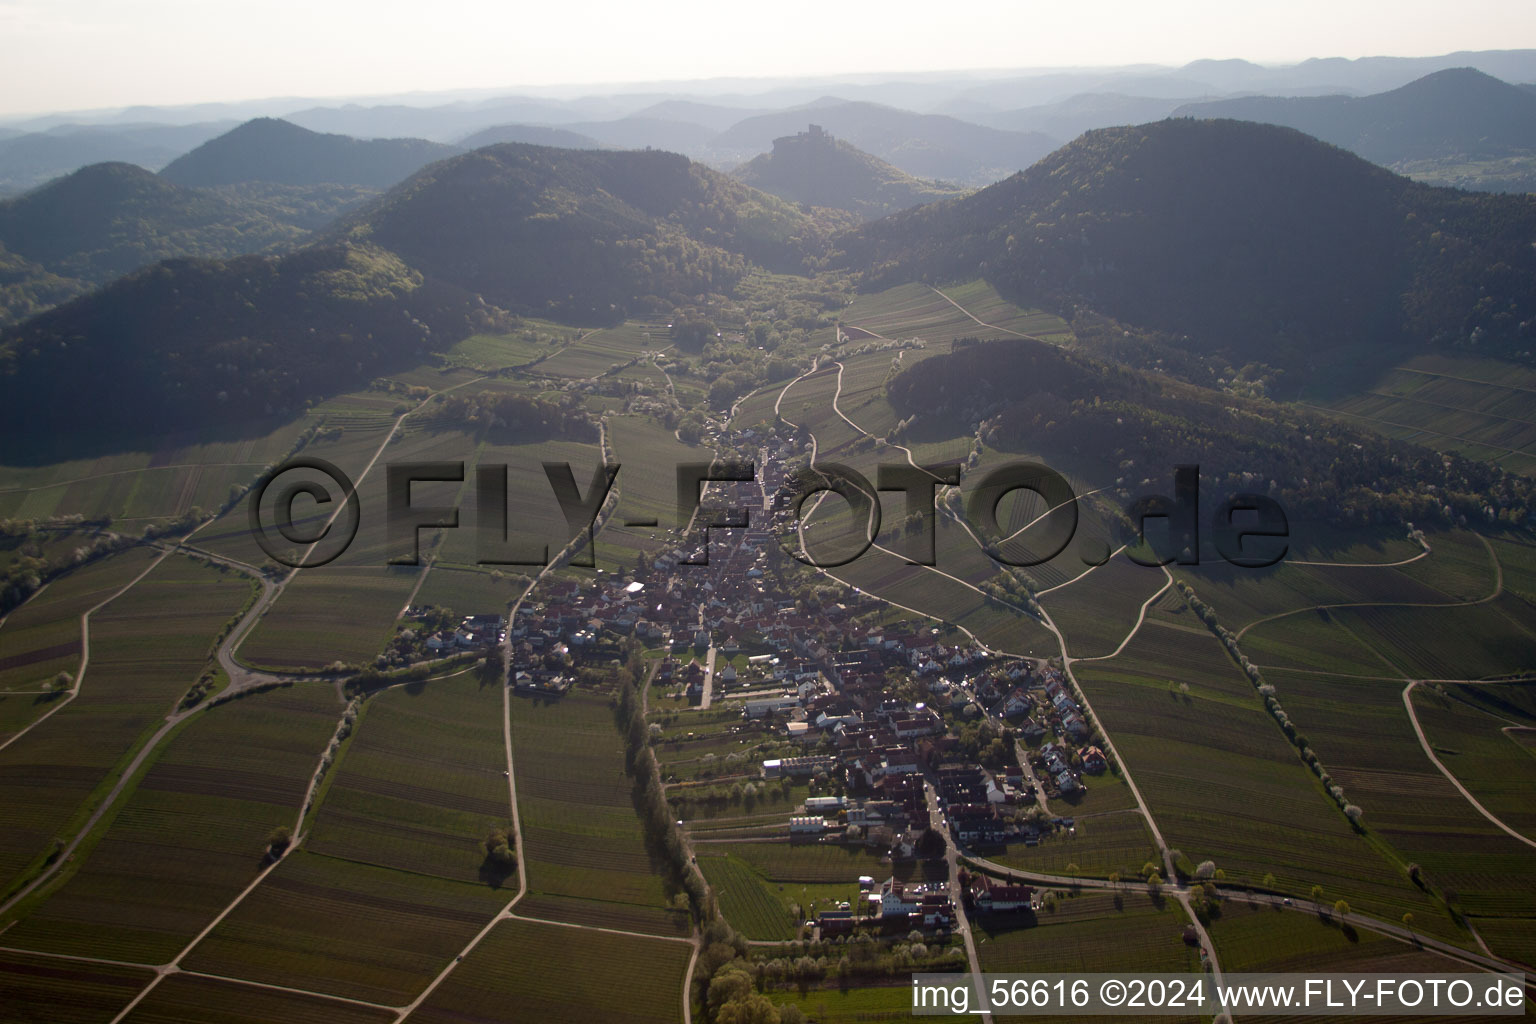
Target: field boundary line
(284,988)
(78,958)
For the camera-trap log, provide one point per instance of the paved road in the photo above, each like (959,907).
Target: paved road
(962,922)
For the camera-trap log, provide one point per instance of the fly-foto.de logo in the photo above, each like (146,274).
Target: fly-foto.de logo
(306,513)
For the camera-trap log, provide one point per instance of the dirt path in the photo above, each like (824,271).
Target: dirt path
(990,327)
(1141,617)
(1429,752)
(85,652)
(1498,589)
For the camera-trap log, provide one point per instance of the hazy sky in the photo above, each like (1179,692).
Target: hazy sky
(76,54)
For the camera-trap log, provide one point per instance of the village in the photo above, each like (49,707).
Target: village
(910,744)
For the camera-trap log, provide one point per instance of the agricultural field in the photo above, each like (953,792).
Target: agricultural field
(193,833)
(192,999)
(823,863)
(489,352)
(604,351)
(421,782)
(582,841)
(1223,782)
(354,428)
(346,610)
(1482,735)
(915,310)
(648,455)
(42,637)
(147,649)
(1361,731)
(523,968)
(136,488)
(533,517)
(763,909)
(1478,407)
(1093,931)
(1104,842)
(1262,937)
(855,1005)
(60,992)
(346,929)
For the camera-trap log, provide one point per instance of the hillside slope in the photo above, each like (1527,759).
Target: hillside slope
(1244,239)
(584,234)
(268,149)
(107,219)
(815,168)
(1104,422)
(212,345)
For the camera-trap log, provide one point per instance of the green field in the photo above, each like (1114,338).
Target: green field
(1223,782)
(1478,407)
(346,929)
(1265,937)
(42,989)
(147,649)
(1103,842)
(346,610)
(524,969)
(190,999)
(192,834)
(1088,932)
(760,907)
(421,782)
(42,637)
(583,848)
(855,1005)
(137,487)
(1481,734)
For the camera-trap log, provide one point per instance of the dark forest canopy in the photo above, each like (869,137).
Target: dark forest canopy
(1119,426)
(1251,240)
(586,235)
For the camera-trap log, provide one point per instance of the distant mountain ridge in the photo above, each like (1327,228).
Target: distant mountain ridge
(531,134)
(31,158)
(924,145)
(1460,112)
(272,150)
(815,168)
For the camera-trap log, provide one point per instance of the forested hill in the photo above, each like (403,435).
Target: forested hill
(585,234)
(107,219)
(213,345)
(582,236)
(272,150)
(1116,426)
(813,167)
(1254,241)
